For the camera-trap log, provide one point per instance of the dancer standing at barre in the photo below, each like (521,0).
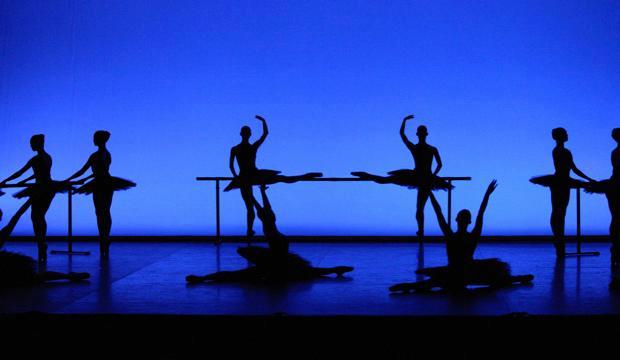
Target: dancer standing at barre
(421,177)
(462,269)
(102,187)
(40,194)
(249,174)
(560,183)
(611,188)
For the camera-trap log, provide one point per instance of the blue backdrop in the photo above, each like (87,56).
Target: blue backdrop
(175,80)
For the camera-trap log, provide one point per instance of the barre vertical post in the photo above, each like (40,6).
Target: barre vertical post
(218,235)
(69,250)
(579,252)
(449,202)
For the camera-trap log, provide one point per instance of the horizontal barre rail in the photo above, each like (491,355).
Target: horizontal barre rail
(334,179)
(7,186)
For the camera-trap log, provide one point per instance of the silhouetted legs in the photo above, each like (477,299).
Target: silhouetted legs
(40,204)
(614,227)
(8,228)
(423,195)
(46,276)
(248,198)
(102,200)
(560,197)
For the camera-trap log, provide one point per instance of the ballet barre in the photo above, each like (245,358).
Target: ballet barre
(579,252)
(218,179)
(69,250)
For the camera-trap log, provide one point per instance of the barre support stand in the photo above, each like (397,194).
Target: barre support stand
(579,252)
(69,250)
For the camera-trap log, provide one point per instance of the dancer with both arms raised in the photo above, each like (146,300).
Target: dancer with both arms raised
(463,269)
(421,177)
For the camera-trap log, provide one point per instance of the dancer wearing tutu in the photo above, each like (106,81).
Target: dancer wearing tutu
(249,174)
(560,184)
(421,177)
(462,269)
(102,187)
(611,188)
(40,194)
(20,270)
(274,263)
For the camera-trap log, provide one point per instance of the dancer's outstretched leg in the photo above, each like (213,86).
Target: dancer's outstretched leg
(47,276)
(376,178)
(338,270)
(244,275)
(6,231)
(296,178)
(418,286)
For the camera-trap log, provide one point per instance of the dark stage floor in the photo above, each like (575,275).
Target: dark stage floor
(148,278)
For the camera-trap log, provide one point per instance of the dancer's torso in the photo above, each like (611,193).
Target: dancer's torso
(461,248)
(100,163)
(615,163)
(42,167)
(246,157)
(423,157)
(562,161)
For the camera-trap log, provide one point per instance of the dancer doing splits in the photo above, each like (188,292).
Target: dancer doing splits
(421,177)
(102,187)
(249,174)
(611,188)
(40,194)
(272,264)
(560,183)
(462,269)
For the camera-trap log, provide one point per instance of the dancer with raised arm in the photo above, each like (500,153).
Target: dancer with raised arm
(102,187)
(20,270)
(462,269)
(40,194)
(274,263)
(560,183)
(421,177)
(611,188)
(245,155)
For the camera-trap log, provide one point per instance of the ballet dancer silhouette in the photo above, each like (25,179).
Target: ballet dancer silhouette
(20,270)
(560,183)
(102,187)
(611,188)
(421,177)
(272,264)
(245,155)
(462,269)
(40,194)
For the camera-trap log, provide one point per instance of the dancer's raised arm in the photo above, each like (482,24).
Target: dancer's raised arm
(19,173)
(402,131)
(262,138)
(443,225)
(82,170)
(438,160)
(577,171)
(483,206)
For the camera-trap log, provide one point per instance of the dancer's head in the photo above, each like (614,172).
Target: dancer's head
(245,133)
(463,219)
(559,134)
(422,132)
(101,137)
(615,134)
(37,142)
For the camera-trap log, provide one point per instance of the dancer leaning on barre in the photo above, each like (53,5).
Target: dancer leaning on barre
(421,177)
(40,194)
(102,187)
(462,269)
(20,270)
(272,264)
(560,183)
(245,155)
(611,188)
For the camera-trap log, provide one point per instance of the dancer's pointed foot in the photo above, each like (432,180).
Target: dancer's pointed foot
(313,175)
(194,279)
(78,276)
(340,270)
(360,173)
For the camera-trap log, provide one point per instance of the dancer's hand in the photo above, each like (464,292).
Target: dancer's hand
(492,186)
(260,118)
(408,117)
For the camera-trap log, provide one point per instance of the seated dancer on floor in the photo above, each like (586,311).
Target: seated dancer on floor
(421,177)
(611,188)
(249,174)
(102,187)
(40,194)
(560,183)
(462,269)
(274,263)
(20,270)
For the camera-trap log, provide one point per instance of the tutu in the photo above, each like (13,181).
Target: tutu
(275,266)
(558,181)
(607,186)
(16,269)
(41,189)
(412,179)
(476,272)
(264,177)
(105,183)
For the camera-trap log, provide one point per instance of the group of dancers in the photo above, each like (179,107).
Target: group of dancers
(19,269)
(276,263)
